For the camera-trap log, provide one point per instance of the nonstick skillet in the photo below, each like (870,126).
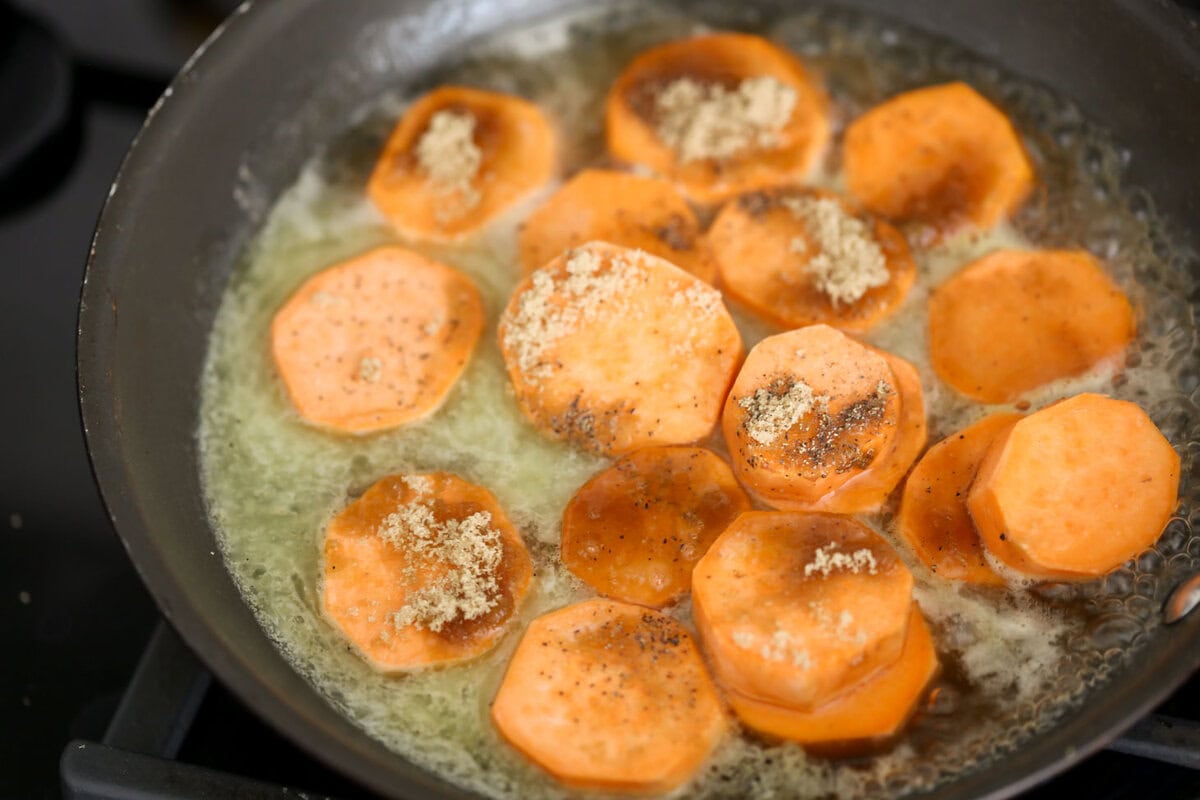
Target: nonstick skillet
(278,80)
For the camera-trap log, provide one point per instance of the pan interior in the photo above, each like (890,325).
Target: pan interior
(1014,667)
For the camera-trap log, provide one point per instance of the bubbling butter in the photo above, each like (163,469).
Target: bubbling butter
(1013,661)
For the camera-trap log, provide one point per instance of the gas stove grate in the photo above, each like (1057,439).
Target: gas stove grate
(137,757)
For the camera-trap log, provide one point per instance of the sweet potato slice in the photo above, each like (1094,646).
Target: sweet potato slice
(868,491)
(719,115)
(933,509)
(799,257)
(377,341)
(628,210)
(942,158)
(796,609)
(635,531)
(811,410)
(458,158)
(612,697)
(1015,320)
(1076,489)
(867,717)
(422,570)
(614,349)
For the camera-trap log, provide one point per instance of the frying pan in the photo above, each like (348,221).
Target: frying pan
(279,79)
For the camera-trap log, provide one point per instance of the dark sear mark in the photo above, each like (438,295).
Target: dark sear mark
(676,234)
(756,204)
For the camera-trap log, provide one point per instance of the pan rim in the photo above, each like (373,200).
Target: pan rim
(362,758)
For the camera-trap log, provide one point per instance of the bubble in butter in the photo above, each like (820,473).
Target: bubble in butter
(1013,662)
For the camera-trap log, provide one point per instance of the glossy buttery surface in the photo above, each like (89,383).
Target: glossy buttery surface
(1013,660)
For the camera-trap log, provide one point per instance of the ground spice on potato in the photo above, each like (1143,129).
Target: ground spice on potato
(772,410)
(588,287)
(829,447)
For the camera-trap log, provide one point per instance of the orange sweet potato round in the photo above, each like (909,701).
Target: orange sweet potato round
(610,697)
(614,349)
(783,253)
(942,158)
(1015,320)
(753,137)
(635,531)
(867,717)
(404,606)
(796,609)
(458,158)
(377,341)
(1076,489)
(817,421)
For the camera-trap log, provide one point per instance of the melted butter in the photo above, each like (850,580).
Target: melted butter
(1013,661)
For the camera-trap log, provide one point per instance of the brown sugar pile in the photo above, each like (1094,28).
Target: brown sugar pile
(588,287)
(447,153)
(467,554)
(848,262)
(773,410)
(709,121)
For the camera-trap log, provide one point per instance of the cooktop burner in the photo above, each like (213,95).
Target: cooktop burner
(88,708)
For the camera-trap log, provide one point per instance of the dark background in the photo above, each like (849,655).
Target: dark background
(73,615)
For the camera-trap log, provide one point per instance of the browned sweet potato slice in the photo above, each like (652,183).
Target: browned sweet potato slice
(458,158)
(812,410)
(719,115)
(635,531)
(941,157)
(933,511)
(423,570)
(799,257)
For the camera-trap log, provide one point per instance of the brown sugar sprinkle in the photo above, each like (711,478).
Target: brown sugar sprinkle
(447,153)
(701,297)
(849,261)
(772,410)
(588,286)
(829,560)
(841,628)
(468,550)
(710,121)
(370,370)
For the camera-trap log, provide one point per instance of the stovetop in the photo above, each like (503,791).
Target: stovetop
(76,620)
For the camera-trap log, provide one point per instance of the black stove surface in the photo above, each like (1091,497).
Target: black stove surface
(75,617)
